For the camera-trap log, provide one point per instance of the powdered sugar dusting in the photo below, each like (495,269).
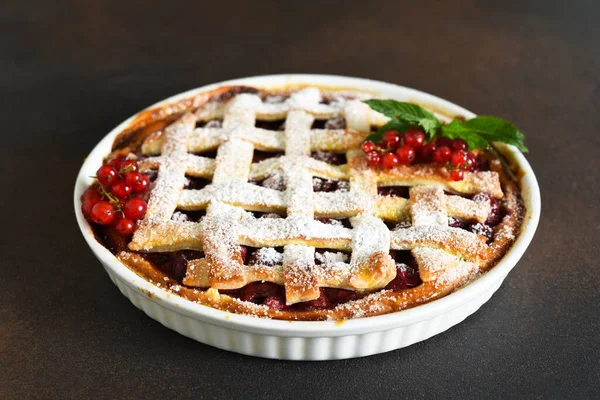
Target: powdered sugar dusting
(455,240)
(331,258)
(428,206)
(369,235)
(287,186)
(268,256)
(171,175)
(467,209)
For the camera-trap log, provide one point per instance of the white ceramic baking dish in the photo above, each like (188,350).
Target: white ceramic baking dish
(326,340)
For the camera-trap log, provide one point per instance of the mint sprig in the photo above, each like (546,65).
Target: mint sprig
(477,132)
(408,113)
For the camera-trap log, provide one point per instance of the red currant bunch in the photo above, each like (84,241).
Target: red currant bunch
(118,197)
(453,153)
(410,147)
(394,149)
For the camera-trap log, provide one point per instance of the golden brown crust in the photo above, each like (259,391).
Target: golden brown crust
(376,304)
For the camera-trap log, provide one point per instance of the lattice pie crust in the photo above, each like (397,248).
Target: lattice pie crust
(169,141)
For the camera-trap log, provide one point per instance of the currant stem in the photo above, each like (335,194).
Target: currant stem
(111,198)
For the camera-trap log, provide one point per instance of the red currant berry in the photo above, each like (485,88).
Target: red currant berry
(86,207)
(121,189)
(406,154)
(129,166)
(443,141)
(427,151)
(442,155)
(458,158)
(374,159)
(458,145)
(414,138)
(91,193)
(391,139)
(134,208)
(116,163)
(133,178)
(143,184)
(457,174)
(103,213)
(368,146)
(118,216)
(124,227)
(107,175)
(389,160)
(471,161)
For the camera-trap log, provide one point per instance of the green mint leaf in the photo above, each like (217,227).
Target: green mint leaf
(495,129)
(407,112)
(477,132)
(392,124)
(457,130)
(430,126)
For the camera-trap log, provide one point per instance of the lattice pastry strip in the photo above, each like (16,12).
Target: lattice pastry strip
(428,208)
(219,241)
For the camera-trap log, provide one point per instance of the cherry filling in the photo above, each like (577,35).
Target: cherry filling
(407,271)
(394,191)
(275,182)
(330,185)
(259,214)
(393,225)
(497,213)
(188,216)
(481,164)
(173,264)
(333,221)
(272,295)
(277,125)
(194,183)
(329,157)
(317,304)
(264,155)
(208,154)
(259,292)
(331,123)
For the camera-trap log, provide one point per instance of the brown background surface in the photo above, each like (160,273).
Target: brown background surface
(71,71)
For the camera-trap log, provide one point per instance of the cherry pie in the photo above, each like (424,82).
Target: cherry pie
(262,202)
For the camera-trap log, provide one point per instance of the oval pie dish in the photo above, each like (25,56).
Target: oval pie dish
(313,340)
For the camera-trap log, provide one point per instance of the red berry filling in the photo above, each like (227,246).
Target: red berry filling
(173,264)
(395,191)
(330,185)
(275,182)
(407,271)
(259,156)
(329,157)
(194,183)
(277,125)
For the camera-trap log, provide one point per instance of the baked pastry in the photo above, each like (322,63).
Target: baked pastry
(264,202)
